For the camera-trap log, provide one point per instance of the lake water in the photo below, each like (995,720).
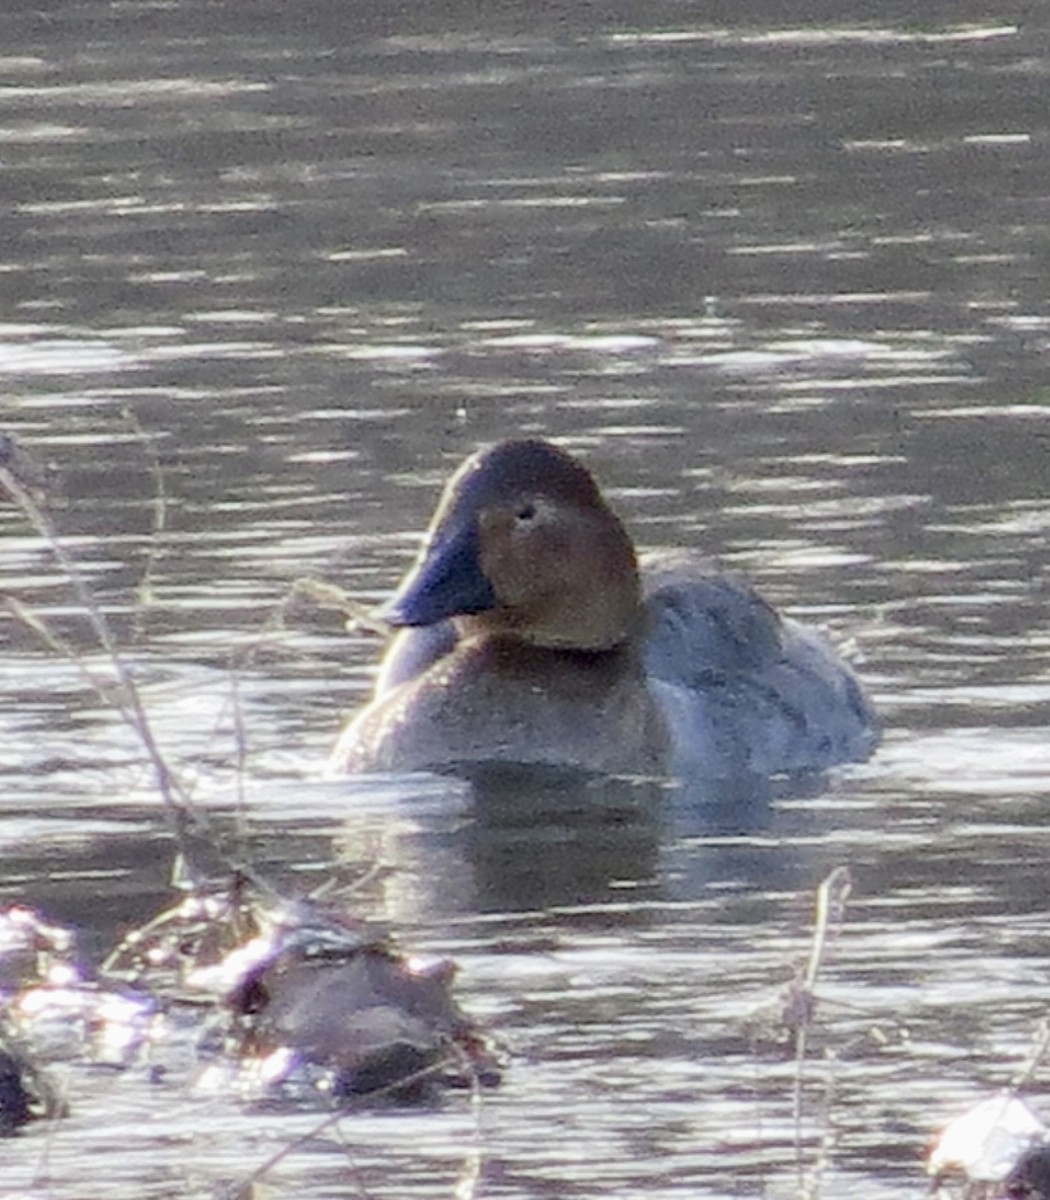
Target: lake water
(268,271)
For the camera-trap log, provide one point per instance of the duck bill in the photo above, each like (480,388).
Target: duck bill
(447,581)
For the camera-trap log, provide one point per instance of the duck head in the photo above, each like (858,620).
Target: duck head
(523,545)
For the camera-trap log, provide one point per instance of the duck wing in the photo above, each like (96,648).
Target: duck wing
(742,687)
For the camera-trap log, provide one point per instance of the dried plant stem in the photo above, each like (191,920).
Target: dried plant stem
(130,701)
(470,1172)
(125,695)
(159,505)
(832,896)
(1040,1046)
(245,1186)
(327,595)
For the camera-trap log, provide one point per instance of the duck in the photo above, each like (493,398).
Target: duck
(531,632)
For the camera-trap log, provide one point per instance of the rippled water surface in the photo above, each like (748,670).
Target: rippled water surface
(269,271)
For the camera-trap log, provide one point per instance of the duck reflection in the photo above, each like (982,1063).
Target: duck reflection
(512,839)
(546,838)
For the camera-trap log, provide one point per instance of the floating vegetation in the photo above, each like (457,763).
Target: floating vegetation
(281,1000)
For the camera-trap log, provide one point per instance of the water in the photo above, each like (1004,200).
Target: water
(782,283)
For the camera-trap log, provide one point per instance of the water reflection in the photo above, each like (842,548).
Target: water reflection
(780,282)
(521,840)
(507,840)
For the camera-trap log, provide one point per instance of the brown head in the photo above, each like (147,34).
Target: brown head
(524,545)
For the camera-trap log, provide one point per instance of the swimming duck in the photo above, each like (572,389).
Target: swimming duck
(530,633)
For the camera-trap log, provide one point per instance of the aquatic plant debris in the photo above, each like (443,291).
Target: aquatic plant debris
(308,1001)
(286,1001)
